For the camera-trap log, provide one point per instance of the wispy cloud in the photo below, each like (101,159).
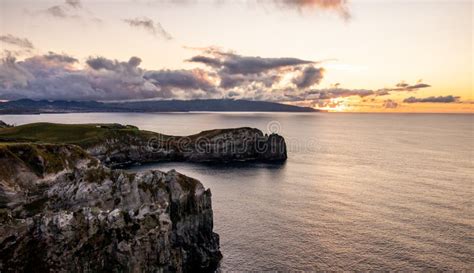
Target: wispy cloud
(57,11)
(150,26)
(402,87)
(16,41)
(74,3)
(432,99)
(70,9)
(339,6)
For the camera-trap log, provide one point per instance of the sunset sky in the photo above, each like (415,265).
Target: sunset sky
(359,55)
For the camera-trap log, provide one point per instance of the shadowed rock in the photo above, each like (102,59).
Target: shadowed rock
(61,211)
(221,145)
(118,145)
(4,125)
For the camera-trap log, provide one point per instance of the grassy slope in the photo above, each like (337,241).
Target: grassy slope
(39,158)
(83,135)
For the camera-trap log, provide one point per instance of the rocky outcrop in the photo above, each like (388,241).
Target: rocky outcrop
(117,145)
(221,145)
(4,125)
(62,211)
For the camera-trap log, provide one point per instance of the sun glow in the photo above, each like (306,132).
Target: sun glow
(335,105)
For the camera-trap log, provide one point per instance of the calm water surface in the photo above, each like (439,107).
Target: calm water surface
(358,192)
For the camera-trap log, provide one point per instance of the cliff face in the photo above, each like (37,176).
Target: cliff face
(61,211)
(222,145)
(118,145)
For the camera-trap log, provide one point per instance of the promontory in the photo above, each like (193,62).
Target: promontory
(66,207)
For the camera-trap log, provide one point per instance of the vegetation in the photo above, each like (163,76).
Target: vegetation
(96,174)
(41,159)
(84,135)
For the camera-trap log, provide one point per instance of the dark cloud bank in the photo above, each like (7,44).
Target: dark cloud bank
(222,74)
(57,76)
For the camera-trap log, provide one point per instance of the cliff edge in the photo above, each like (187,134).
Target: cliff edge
(62,211)
(116,145)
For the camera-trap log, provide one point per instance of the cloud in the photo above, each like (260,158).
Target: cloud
(150,26)
(58,58)
(265,81)
(432,99)
(308,77)
(232,94)
(182,79)
(70,9)
(231,63)
(16,41)
(332,93)
(101,63)
(183,83)
(253,65)
(74,3)
(57,11)
(56,76)
(403,86)
(12,75)
(224,74)
(390,104)
(213,62)
(250,76)
(339,6)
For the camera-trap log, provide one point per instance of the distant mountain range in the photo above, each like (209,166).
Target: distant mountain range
(27,106)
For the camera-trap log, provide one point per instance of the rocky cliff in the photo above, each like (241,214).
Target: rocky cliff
(117,145)
(221,145)
(4,125)
(62,211)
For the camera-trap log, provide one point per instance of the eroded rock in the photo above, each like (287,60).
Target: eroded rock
(221,145)
(75,215)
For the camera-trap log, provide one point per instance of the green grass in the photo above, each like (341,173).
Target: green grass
(215,132)
(41,159)
(83,135)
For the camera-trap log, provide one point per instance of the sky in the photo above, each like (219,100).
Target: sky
(336,55)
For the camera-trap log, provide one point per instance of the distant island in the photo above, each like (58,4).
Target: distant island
(28,106)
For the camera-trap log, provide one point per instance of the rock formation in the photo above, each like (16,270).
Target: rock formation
(221,145)
(62,211)
(118,145)
(4,125)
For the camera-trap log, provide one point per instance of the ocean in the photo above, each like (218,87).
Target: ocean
(358,191)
